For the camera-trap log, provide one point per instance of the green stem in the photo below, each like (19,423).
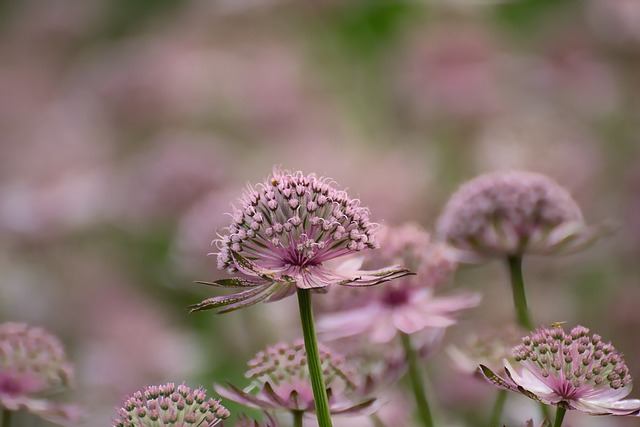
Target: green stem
(6,417)
(416,382)
(498,407)
(559,417)
(376,421)
(313,358)
(519,296)
(520,302)
(297,418)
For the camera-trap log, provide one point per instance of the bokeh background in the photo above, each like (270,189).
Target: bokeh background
(127,128)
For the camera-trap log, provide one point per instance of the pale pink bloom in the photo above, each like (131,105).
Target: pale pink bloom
(407,305)
(488,348)
(570,370)
(506,213)
(170,405)
(283,233)
(280,380)
(268,421)
(33,363)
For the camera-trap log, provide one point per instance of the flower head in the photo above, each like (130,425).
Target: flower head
(280,380)
(407,305)
(570,370)
(283,233)
(32,363)
(170,405)
(509,213)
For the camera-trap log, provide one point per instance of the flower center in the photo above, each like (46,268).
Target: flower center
(394,296)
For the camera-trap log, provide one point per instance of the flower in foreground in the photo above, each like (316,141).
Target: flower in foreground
(573,371)
(283,233)
(170,405)
(408,305)
(33,363)
(280,380)
(509,213)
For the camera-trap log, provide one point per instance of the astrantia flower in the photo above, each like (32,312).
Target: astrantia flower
(407,305)
(33,363)
(572,371)
(501,214)
(170,405)
(280,380)
(283,233)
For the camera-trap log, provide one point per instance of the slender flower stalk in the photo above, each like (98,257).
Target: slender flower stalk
(415,376)
(498,408)
(6,418)
(523,316)
(298,417)
(559,417)
(313,358)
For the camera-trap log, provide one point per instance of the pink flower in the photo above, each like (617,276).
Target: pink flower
(572,371)
(280,380)
(32,363)
(170,405)
(408,305)
(509,213)
(282,235)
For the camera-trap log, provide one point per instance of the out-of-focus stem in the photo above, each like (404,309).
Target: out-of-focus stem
(376,421)
(313,358)
(6,417)
(416,382)
(559,417)
(297,418)
(519,297)
(523,315)
(498,407)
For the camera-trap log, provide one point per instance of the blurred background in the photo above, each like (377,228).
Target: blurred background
(127,129)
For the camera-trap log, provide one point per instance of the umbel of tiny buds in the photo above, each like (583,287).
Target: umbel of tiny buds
(509,213)
(573,371)
(33,363)
(280,380)
(282,234)
(170,405)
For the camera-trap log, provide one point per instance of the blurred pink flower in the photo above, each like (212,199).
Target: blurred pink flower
(512,212)
(408,305)
(280,380)
(285,231)
(570,370)
(33,363)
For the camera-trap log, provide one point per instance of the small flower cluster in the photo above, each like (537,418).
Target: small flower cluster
(302,218)
(280,380)
(571,370)
(509,213)
(32,363)
(170,405)
(284,232)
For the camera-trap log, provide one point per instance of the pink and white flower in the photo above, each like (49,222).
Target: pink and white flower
(570,370)
(284,232)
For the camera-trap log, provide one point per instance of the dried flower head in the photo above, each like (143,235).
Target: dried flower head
(32,363)
(407,305)
(572,370)
(280,380)
(509,213)
(283,233)
(170,405)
